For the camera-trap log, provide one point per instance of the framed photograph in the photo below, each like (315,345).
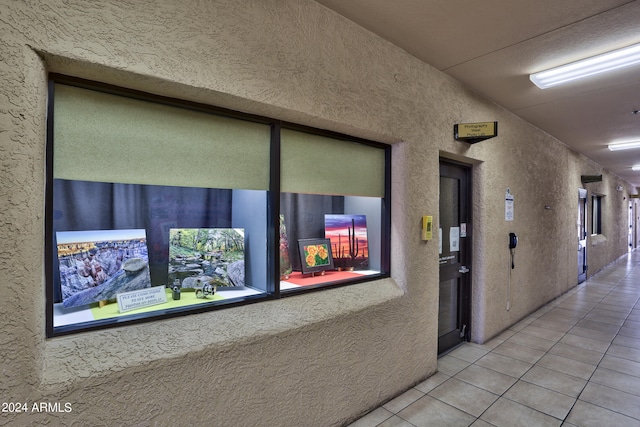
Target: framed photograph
(97,265)
(349,241)
(207,255)
(315,255)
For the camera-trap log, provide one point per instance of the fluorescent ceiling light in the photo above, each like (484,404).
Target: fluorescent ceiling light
(635,167)
(624,145)
(587,67)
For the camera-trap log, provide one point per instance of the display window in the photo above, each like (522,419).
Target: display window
(158,208)
(341,200)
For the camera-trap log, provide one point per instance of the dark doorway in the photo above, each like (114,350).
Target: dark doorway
(582,235)
(455,250)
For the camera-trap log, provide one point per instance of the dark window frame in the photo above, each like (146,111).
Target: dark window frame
(273,208)
(596,214)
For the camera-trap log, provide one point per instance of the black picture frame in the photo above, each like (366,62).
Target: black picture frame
(321,254)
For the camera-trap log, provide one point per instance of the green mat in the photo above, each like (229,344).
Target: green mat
(187,299)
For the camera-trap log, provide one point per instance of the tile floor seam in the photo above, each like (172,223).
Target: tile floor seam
(520,379)
(435,398)
(607,290)
(605,352)
(599,362)
(609,409)
(455,407)
(534,409)
(563,420)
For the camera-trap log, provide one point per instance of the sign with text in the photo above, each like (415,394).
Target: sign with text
(508,206)
(475,132)
(133,300)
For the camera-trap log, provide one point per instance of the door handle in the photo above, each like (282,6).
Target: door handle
(463,269)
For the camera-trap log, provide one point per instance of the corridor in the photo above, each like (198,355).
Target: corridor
(573,362)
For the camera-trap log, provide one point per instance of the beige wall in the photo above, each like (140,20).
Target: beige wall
(318,359)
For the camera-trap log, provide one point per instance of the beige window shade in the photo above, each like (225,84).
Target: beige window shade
(110,138)
(316,164)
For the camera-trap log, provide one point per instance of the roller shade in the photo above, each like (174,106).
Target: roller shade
(317,164)
(110,138)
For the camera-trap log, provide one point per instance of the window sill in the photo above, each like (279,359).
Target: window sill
(113,350)
(596,239)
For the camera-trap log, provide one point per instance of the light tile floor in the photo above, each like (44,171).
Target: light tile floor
(574,362)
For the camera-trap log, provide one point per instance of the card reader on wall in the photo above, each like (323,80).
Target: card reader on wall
(427,227)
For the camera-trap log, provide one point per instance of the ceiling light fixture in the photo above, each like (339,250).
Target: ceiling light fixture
(624,145)
(635,167)
(587,67)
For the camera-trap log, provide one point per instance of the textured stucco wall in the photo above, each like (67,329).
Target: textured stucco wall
(318,359)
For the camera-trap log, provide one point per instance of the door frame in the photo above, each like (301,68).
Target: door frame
(582,229)
(632,225)
(465,259)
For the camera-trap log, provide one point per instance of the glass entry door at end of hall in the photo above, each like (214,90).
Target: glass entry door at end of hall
(454,233)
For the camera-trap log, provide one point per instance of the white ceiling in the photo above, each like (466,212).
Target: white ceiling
(492,46)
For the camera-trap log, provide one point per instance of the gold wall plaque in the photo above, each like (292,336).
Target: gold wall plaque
(475,132)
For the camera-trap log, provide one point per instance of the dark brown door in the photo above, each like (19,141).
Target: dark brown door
(455,249)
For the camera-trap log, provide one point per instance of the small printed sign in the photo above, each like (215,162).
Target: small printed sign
(454,239)
(445,259)
(508,206)
(133,300)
